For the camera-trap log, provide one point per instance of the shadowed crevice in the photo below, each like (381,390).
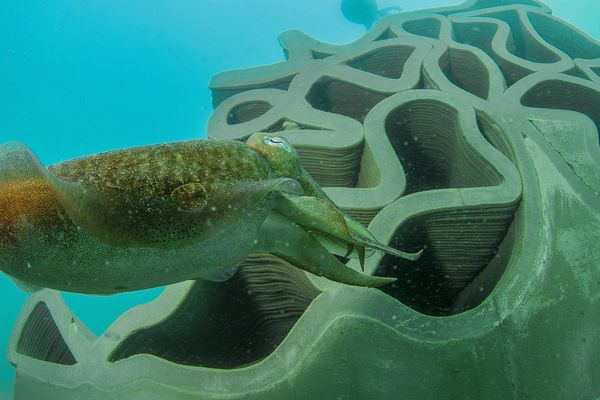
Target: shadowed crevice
(428,27)
(522,43)
(247,111)
(465,70)
(387,62)
(459,242)
(563,37)
(563,95)
(317,55)
(228,324)
(220,94)
(40,338)
(340,97)
(386,34)
(427,139)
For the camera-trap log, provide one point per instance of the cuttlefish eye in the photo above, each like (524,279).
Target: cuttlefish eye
(278,142)
(278,152)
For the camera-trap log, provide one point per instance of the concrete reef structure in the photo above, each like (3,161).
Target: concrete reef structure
(471,131)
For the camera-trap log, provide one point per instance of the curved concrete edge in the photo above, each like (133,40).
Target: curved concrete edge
(341,309)
(484,83)
(498,201)
(475,5)
(333,68)
(591,68)
(77,336)
(338,132)
(516,67)
(572,132)
(304,53)
(530,331)
(339,137)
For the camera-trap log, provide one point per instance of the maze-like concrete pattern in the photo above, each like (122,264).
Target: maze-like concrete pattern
(469,131)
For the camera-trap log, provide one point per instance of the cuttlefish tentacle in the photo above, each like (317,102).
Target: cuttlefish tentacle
(290,241)
(327,224)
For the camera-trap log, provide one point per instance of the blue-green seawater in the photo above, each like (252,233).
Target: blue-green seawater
(79,77)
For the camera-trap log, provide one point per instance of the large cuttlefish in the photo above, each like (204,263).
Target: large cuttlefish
(154,215)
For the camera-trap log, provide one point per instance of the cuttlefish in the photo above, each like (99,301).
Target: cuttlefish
(153,215)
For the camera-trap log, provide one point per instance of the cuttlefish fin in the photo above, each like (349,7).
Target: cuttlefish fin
(18,163)
(26,190)
(325,219)
(291,242)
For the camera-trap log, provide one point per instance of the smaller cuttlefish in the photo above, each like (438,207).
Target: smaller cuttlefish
(149,216)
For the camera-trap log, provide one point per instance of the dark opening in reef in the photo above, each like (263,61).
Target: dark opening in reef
(481,35)
(247,111)
(563,37)
(465,70)
(427,139)
(386,34)
(41,338)
(220,94)
(577,73)
(318,55)
(464,246)
(428,27)
(522,42)
(340,97)
(459,246)
(228,324)
(563,95)
(284,124)
(387,61)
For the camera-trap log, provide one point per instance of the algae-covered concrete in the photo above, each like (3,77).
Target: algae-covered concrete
(469,131)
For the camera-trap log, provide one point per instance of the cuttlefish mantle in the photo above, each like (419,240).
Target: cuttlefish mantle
(149,216)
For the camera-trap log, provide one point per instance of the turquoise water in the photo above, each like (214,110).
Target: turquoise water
(83,77)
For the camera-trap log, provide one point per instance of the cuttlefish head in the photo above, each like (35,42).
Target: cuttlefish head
(314,211)
(279,153)
(285,162)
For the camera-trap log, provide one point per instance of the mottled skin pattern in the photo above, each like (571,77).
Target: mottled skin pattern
(154,215)
(151,171)
(139,183)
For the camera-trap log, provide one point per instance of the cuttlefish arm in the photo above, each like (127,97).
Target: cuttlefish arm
(293,243)
(338,232)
